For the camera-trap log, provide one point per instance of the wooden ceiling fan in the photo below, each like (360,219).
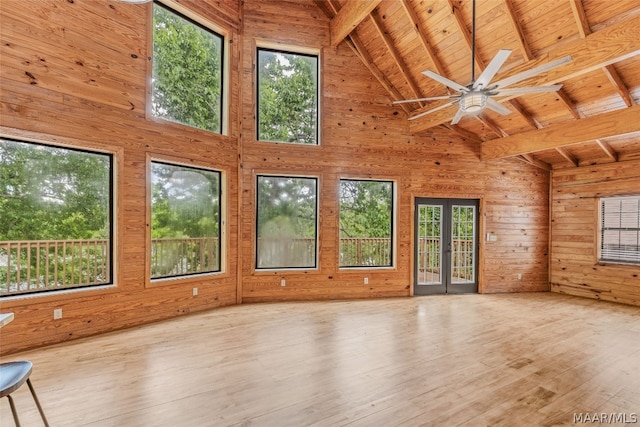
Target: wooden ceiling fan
(479,94)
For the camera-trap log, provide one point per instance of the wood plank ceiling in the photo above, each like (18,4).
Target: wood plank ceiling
(594,118)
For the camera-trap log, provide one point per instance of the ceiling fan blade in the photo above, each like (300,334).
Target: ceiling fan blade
(433,98)
(494,105)
(457,117)
(532,72)
(492,68)
(517,91)
(445,81)
(440,107)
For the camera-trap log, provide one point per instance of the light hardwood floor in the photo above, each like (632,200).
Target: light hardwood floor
(470,360)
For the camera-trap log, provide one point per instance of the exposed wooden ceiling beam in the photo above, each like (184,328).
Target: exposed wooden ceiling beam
(524,114)
(558,135)
(528,158)
(358,47)
(462,27)
(349,17)
(377,23)
(584,29)
(415,22)
(568,156)
(326,8)
(618,84)
(522,41)
(597,50)
(330,9)
(581,18)
(607,149)
(491,125)
(564,98)
(463,133)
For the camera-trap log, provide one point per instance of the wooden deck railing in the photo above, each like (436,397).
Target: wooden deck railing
(35,265)
(175,257)
(31,266)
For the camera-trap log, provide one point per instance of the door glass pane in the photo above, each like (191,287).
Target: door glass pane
(429,245)
(463,244)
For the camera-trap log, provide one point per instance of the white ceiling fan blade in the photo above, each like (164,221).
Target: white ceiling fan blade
(532,72)
(517,91)
(457,117)
(433,98)
(497,107)
(492,68)
(445,81)
(448,104)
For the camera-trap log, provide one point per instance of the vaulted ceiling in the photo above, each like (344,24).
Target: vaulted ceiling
(594,118)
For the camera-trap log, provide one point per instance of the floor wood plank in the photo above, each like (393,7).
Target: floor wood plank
(467,360)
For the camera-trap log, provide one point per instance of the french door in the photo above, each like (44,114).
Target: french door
(446,246)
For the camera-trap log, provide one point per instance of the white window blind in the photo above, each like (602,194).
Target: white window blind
(620,229)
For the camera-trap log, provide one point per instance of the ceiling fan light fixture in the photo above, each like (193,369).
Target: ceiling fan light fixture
(472,102)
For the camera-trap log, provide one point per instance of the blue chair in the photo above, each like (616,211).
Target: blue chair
(12,376)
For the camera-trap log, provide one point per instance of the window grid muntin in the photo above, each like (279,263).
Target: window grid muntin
(463,244)
(430,244)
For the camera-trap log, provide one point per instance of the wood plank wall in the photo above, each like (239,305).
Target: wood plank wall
(574,228)
(364,137)
(75,73)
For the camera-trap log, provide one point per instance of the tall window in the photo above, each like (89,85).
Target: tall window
(620,229)
(287,97)
(187,71)
(185,220)
(286,222)
(366,223)
(55,209)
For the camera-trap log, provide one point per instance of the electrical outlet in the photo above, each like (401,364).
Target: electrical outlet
(366,280)
(283,282)
(519,276)
(57,314)
(195,291)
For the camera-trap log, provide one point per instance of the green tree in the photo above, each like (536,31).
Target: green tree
(187,71)
(287,97)
(365,208)
(185,202)
(49,193)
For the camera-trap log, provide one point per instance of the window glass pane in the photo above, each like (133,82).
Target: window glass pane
(287,97)
(366,209)
(185,220)
(286,222)
(55,205)
(187,71)
(620,229)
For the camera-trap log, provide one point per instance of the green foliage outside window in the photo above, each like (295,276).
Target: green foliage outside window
(287,97)
(366,222)
(286,222)
(55,210)
(187,71)
(185,220)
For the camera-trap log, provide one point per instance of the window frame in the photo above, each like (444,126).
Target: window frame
(288,50)
(115,169)
(206,25)
(393,257)
(316,245)
(222,225)
(600,230)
